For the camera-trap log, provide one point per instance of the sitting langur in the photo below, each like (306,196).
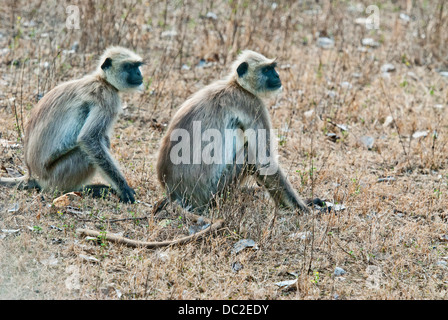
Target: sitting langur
(67,138)
(230,115)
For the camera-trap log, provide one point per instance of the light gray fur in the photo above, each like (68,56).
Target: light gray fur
(67,138)
(225,104)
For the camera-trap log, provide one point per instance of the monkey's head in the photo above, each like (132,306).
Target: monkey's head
(121,68)
(256,73)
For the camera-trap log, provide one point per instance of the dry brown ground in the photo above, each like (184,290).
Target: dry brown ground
(392,237)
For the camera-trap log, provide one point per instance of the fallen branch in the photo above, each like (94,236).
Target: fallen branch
(152,245)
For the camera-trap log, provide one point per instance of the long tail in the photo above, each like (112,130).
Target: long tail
(21,183)
(160,205)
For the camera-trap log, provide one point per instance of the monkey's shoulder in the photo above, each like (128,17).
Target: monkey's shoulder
(85,93)
(221,105)
(222,96)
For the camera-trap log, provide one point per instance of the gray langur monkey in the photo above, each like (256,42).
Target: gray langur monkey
(233,103)
(67,138)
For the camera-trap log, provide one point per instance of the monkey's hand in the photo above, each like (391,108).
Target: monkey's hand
(299,204)
(127,195)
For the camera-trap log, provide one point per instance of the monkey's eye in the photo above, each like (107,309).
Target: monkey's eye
(131,66)
(269,68)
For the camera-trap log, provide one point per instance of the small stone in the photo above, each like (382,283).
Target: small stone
(308,113)
(386,179)
(242,244)
(325,43)
(369,42)
(212,15)
(405,17)
(420,134)
(332,137)
(346,85)
(339,272)
(388,67)
(236,266)
(168,34)
(367,141)
(442,263)
(413,75)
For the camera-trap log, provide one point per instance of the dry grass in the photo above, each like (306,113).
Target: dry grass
(389,239)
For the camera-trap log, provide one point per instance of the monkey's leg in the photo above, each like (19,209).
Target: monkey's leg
(68,172)
(99,155)
(281,190)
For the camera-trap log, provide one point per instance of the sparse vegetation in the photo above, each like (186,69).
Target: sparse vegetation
(388,225)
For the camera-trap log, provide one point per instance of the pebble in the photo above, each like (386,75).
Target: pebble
(442,263)
(367,141)
(388,67)
(325,43)
(168,34)
(369,42)
(212,15)
(339,272)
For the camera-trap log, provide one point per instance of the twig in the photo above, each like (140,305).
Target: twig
(152,245)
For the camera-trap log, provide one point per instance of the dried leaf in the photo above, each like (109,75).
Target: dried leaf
(301,235)
(14,208)
(10,230)
(242,244)
(420,134)
(51,261)
(88,258)
(287,284)
(66,199)
(386,179)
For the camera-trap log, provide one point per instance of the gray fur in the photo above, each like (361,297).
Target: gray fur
(226,104)
(67,138)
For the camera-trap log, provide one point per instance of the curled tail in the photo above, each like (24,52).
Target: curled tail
(21,183)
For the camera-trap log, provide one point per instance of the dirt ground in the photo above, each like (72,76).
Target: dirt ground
(361,122)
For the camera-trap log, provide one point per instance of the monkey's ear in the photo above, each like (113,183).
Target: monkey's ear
(242,69)
(106,64)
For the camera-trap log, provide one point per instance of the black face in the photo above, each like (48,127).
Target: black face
(134,76)
(273,81)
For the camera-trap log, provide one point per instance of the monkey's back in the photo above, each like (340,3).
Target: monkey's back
(58,118)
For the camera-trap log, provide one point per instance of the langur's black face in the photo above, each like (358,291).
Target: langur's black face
(265,77)
(133,75)
(124,75)
(271,77)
